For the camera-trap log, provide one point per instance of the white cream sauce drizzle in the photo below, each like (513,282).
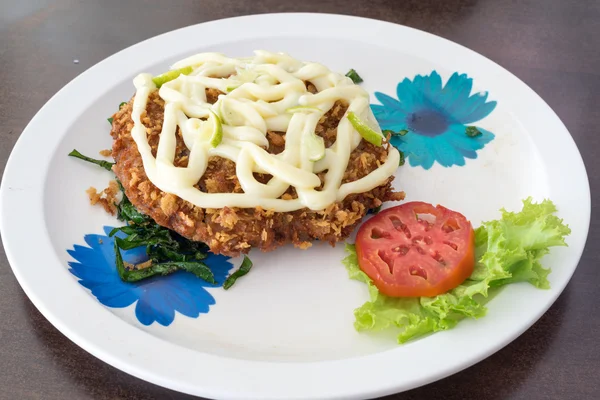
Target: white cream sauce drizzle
(259,91)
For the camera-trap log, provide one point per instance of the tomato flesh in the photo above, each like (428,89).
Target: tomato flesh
(416,249)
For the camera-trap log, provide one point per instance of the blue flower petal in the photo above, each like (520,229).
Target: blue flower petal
(117,300)
(421,157)
(411,94)
(469,107)
(416,90)
(152,306)
(478,111)
(185,303)
(395,123)
(460,140)
(416,149)
(93,241)
(446,154)
(91,273)
(485,137)
(87,256)
(392,111)
(199,300)
(432,87)
(456,92)
(106,290)
(220,267)
(388,101)
(472,154)
(405,94)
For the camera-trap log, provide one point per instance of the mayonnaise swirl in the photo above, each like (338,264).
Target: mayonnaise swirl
(260,92)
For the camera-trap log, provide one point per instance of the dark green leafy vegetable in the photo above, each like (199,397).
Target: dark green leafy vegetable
(104,164)
(197,268)
(111,119)
(243,270)
(352,74)
(402,160)
(167,250)
(127,212)
(374,210)
(472,131)
(162,244)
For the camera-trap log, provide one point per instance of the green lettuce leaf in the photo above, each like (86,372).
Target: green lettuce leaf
(507,250)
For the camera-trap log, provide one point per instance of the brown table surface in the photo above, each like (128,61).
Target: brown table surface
(552,45)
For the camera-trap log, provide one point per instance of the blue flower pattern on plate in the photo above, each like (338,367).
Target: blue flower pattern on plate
(157,298)
(436,118)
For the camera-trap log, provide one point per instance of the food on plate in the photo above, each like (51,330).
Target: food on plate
(507,250)
(227,154)
(255,152)
(352,74)
(107,198)
(416,249)
(241,271)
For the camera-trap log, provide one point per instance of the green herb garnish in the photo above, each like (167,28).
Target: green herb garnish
(162,244)
(365,130)
(197,268)
(111,119)
(352,74)
(243,270)
(127,212)
(170,75)
(374,210)
(104,164)
(402,159)
(472,131)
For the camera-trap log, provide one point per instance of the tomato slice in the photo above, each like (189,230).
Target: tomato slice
(416,249)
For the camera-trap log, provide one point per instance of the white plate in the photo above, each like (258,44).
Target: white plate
(285,330)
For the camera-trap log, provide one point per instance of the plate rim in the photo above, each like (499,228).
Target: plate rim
(250,391)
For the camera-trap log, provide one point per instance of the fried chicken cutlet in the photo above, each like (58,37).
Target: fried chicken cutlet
(235,230)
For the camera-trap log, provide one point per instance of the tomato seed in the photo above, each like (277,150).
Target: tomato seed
(401,249)
(438,257)
(418,271)
(453,245)
(377,233)
(450,225)
(429,218)
(400,226)
(417,239)
(384,257)
(426,225)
